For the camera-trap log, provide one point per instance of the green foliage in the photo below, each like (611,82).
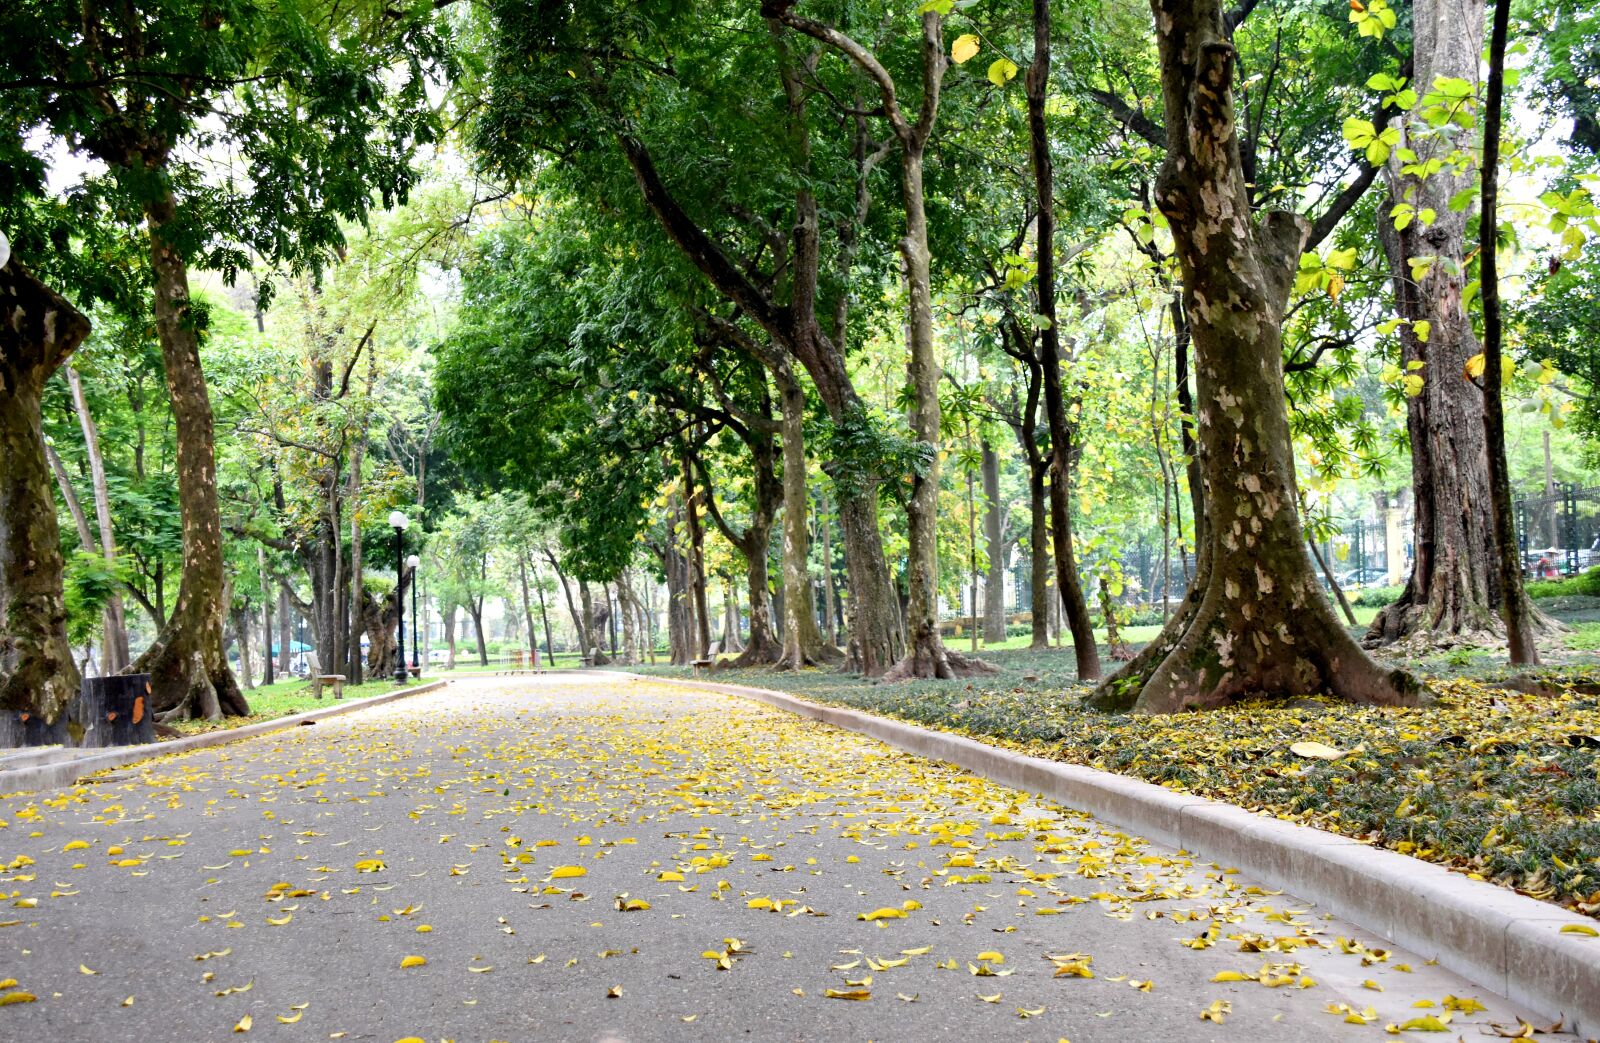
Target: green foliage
(1586,583)
(90,582)
(322,107)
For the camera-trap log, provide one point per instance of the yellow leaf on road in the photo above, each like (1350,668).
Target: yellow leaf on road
(848,994)
(413,961)
(886,913)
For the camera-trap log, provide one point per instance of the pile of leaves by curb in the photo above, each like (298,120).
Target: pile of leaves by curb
(1501,784)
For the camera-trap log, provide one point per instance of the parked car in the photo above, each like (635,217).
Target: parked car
(1358,578)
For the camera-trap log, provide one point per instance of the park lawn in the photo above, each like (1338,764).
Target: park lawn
(282,698)
(1496,783)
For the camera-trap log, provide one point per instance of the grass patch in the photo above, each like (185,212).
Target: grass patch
(282,698)
(1495,783)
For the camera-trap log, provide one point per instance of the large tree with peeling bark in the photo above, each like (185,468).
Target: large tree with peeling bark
(1255,620)
(38,331)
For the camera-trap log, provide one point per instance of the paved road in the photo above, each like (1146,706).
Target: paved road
(728,854)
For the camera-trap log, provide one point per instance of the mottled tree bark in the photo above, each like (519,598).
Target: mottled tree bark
(1255,621)
(188,672)
(38,331)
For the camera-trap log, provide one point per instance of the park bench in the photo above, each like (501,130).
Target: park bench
(702,665)
(336,680)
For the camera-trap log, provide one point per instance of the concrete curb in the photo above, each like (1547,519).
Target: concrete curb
(64,770)
(1491,936)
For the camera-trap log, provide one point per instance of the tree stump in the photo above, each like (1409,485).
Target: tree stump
(18,728)
(115,710)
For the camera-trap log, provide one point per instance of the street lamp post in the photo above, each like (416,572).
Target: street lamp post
(412,563)
(399,522)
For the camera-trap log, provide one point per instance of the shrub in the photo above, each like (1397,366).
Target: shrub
(1377,597)
(1585,584)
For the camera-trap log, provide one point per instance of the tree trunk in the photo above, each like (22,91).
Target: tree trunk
(1039,556)
(1255,621)
(697,558)
(353,666)
(830,619)
(1454,592)
(926,655)
(994,584)
(449,613)
(475,610)
(114,651)
(626,604)
(622,612)
(527,607)
(38,331)
(1333,584)
(1516,610)
(1049,345)
(241,634)
(732,641)
(187,669)
(285,631)
(267,675)
(802,641)
(544,616)
(680,611)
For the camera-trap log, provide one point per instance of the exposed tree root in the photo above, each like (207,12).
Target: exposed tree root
(937,661)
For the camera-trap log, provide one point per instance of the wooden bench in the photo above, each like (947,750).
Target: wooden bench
(336,680)
(702,665)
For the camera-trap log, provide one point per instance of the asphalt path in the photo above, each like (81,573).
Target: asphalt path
(572,858)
